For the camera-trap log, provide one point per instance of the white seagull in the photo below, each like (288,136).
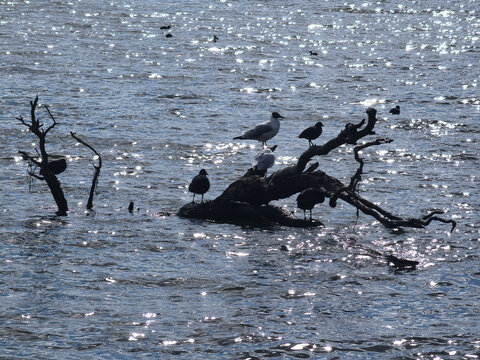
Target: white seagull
(264,131)
(264,160)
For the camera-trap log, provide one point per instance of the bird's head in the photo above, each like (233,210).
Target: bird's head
(276,115)
(272,148)
(371,111)
(203,172)
(318,124)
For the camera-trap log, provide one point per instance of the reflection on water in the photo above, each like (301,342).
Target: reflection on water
(115,284)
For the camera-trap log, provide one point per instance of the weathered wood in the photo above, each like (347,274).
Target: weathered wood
(96,173)
(46,172)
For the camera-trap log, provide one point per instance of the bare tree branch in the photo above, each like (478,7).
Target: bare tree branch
(97,170)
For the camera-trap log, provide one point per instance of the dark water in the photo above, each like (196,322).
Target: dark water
(115,285)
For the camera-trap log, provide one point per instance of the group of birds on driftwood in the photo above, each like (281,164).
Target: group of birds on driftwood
(265,159)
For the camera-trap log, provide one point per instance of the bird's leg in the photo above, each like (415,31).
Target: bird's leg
(193,200)
(310,214)
(304,215)
(310,142)
(202,198)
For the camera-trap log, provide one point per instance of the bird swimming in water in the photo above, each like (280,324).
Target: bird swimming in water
(264,160)
(308,198)
(169,35)
(200,184)
(395,110)
(264,131)
(313,53)
(312,132)
(215,38)
(165,27)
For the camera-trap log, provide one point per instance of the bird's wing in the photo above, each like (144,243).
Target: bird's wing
(257,131)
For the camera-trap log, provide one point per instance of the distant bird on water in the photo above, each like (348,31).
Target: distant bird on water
(264,131)
(215,38)
(313,53)
(264,160)
(311,133)
(165,27)
(395,110)
(200,184)
(308,198)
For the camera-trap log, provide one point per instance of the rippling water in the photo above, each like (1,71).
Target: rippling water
(117,285)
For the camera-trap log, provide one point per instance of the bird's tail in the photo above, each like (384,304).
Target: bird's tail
(238,137)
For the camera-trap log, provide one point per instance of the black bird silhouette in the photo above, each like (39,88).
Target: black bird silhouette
(312,132)
(401,264)
(395,110)
(56,166)
(130,206)
(169,35)
(165,27)
(200,184)
(308,198)
(313,53)
(215,38)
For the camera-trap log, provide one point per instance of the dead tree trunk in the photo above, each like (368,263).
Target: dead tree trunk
(47,172)
(248,197)
(96,173)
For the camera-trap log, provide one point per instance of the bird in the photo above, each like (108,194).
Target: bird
(200,184)
(131,206)
(264,131)
(401,264)
(311,133)
(395,110)
(308,198)
(264,160)
(55,166)
(165,27)
(215,38)
(313,53)
(169,35)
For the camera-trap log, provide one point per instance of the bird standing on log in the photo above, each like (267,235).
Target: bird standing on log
(395,110)
(311,133)
(308,198)
(264,131)
(264,160)
(200,184)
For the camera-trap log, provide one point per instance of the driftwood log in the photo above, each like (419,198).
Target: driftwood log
(246,200)
(48,169)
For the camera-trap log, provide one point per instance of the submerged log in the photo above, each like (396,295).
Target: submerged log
(242,213)
(247,198)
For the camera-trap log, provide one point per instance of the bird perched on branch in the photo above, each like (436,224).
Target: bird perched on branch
(264,131)
(395,110)
(311,133)
(200,184)
(264,160)
(308,198)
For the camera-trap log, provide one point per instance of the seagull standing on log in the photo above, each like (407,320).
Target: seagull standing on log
(264,131)
(264,160)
